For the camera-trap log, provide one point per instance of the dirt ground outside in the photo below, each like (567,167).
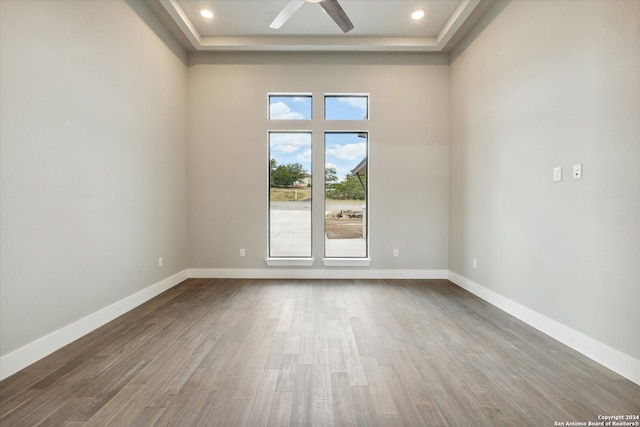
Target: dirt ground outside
(343,219)
(344,225)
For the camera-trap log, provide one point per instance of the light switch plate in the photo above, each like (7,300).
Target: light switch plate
(577,171)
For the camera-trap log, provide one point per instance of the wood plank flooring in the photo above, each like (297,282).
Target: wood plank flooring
(314,353)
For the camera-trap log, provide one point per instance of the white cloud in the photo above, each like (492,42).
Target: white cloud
(300,99)
(305,156)
(281,111)
(341,171)
(355,151)
(289,142)
(355,102)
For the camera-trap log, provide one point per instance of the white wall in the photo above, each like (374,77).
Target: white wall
(551,84)
(92,161)
(228,152)
(96,104)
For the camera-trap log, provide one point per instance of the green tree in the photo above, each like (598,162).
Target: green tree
(297,172)
(272,166)
(330,175)
(286,175)
(348,189)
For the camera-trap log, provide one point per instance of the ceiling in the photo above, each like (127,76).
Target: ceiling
(379,25)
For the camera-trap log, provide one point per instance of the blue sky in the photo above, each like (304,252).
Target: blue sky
(343,150)
(288,147)
(290,107)
(346,107)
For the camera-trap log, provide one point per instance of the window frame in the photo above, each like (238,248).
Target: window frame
(316,126)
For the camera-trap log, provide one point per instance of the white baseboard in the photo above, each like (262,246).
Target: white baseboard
(36,350)
(306,273)
(611,358)
(42,347)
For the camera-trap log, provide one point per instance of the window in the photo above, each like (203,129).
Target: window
(346,107)
(346,184)
(345,195)
(289,194)
(290,107)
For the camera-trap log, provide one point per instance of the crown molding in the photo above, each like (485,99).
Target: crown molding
(321,44)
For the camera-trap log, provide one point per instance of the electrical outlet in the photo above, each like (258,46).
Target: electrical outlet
(160,262)
(242,252)
(396,252)
(475,263)
(557,174)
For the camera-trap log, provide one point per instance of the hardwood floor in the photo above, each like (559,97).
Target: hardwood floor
(314,352)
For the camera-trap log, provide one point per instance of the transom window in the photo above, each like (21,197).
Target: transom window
(290,107)
(346,107)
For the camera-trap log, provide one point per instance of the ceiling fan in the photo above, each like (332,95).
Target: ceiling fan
(332,7)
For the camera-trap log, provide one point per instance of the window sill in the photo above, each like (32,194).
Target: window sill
(289,262)
(346,262)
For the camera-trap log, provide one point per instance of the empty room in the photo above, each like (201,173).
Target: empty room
(326,213)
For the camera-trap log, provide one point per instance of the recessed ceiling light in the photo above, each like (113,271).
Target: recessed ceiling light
(418,14)
(206,13)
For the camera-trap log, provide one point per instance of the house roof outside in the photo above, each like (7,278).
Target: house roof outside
(361,168)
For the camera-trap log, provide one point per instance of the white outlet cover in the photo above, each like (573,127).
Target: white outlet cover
(557,174)
(577,171)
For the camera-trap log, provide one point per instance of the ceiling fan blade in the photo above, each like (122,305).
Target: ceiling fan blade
(286,13)
(335,11)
